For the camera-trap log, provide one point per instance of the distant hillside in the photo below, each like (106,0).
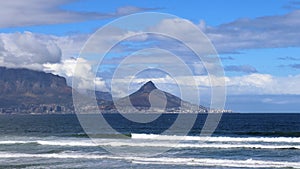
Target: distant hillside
(26,89)
(140,100)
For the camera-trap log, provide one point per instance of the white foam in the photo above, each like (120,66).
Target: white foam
(53,155)
(208,162)
(151,143)
(79,143)
(195,145)
(185,145)
(82,143)
(217,139)
(14,142)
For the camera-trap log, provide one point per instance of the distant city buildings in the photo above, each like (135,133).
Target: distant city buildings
(38,109)
(88,109)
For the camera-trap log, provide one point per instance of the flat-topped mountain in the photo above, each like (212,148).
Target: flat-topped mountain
(28,89)
(33,85)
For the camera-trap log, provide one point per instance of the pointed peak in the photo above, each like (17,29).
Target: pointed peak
(148,87)
(149,83)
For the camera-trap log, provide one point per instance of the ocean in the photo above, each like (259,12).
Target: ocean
(262,140)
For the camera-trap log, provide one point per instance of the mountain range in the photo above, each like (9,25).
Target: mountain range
(29,91)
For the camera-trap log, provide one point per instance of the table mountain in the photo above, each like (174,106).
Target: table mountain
(24,88)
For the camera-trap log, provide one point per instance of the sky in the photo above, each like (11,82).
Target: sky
(257,42)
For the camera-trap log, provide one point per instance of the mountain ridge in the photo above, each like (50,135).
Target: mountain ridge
(141,100)
(33,84)
(30,91)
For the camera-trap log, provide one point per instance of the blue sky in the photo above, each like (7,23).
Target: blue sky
(258,42)
(214,12)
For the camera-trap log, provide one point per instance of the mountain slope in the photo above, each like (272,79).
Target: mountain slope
(24,88)
(149,94)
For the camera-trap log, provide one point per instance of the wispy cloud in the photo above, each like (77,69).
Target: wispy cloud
(37,12)
(227,58)
(241,68)
(288,58)
(262,32)
(278,31)
(292,5)
(295,66)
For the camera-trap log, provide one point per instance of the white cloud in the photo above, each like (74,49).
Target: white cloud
(253,84)
(79,70)
(37,12)
(255,80)
(69,45)
(49,53)
(27,50)
(260,84)
(187,34)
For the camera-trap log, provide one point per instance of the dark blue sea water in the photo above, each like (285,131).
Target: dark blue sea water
(240,141)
